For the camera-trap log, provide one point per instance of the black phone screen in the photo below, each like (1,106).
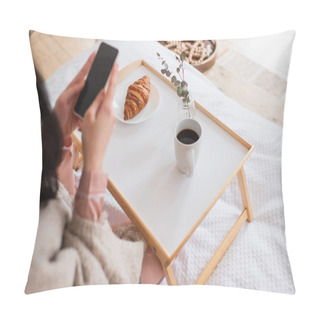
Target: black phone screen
(97,77)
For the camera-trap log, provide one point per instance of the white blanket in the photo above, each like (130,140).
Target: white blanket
(257,258)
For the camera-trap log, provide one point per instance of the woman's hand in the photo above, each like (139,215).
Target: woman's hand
(67,100)
(97,126)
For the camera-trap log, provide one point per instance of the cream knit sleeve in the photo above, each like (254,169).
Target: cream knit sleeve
(52,266)
(119,259)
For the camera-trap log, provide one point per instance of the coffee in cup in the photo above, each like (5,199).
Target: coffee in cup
(187,145)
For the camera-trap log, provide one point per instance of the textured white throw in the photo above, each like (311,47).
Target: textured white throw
(257,258)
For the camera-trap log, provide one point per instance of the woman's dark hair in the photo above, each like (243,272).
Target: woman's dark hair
(51,146)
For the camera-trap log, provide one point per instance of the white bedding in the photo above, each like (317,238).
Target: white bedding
(257,258)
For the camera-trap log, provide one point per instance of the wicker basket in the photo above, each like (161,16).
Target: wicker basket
(200,54)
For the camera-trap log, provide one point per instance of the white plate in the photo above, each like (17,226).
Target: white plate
(144,114)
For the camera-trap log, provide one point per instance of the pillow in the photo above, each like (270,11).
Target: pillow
(224,225)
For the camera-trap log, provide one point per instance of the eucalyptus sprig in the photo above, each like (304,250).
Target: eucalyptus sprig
(182,85)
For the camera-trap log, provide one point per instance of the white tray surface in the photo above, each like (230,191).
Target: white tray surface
(140,161)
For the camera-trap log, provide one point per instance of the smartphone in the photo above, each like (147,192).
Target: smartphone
(97,77)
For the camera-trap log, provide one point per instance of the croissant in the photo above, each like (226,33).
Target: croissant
(137,97)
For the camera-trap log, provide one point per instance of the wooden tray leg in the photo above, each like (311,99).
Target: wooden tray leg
(168,271)
(244,193)
(222,248)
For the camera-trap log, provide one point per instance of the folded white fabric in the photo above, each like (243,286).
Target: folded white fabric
(257,258)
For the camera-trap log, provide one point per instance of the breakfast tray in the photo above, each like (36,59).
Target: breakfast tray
(165,205)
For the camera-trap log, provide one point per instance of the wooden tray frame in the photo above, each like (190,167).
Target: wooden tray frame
(246,214)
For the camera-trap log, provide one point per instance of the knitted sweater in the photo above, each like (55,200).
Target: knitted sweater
(71,250)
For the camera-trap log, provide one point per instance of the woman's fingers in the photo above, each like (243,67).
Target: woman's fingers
(108,99)
(84,71)
(74,91)
(94,107)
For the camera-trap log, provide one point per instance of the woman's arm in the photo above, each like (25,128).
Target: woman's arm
(97,127)
(89,197)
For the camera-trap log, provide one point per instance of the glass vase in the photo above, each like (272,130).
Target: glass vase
(187,110)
